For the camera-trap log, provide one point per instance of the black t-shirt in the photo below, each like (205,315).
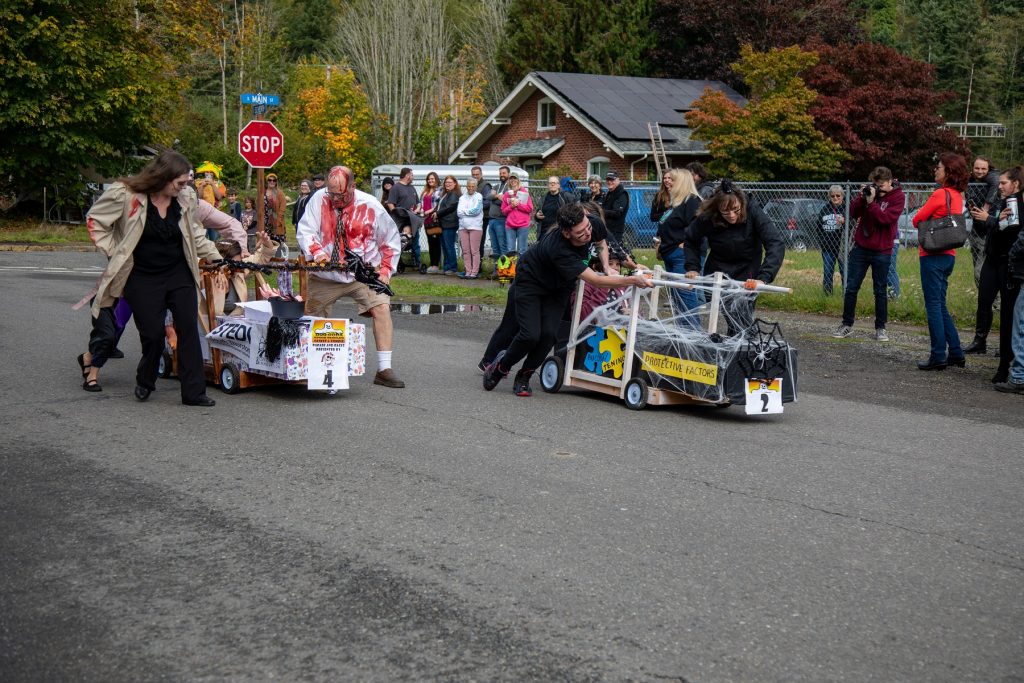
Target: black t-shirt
(160,248)
(553,264)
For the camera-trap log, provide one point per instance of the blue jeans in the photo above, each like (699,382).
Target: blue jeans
(448,240)
(517,239)
(415,246)
(829,261)
(894,277)
(496,229)
(860,260)
(935,272)
(683,299)
(1017,341)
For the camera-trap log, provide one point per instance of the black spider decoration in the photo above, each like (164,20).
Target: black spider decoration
(765,356)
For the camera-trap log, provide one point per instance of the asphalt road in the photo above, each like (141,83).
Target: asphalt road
(870,533)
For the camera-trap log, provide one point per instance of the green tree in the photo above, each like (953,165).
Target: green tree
(612,38)
(81,90)
(773,137)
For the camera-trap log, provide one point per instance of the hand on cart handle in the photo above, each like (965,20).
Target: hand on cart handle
(752,284)
(692,274)
(643,279)
(263,240)
(321,257)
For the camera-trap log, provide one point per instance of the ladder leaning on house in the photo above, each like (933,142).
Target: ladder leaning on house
(658,148)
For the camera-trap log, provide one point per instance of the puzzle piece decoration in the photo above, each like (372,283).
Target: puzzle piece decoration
(612,351)
(596,357)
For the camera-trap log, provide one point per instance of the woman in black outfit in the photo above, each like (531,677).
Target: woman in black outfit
(682,206)
(1000,230)
(146,225)
(737,231)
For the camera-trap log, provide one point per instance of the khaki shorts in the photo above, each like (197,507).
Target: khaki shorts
(321,295)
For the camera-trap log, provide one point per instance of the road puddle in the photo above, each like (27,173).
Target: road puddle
(431,309)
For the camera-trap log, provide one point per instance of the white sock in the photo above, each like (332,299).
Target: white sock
(383,360)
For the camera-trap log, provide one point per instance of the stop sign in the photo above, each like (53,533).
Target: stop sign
(261,144)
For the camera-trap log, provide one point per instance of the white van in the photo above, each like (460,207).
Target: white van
(419,174)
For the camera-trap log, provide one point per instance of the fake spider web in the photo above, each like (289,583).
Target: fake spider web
(674,347)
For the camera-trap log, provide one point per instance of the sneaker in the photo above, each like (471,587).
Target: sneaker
(482,365)
(433,270)
(1010,387)
(494,374)
(521,384)
(881,335)
(842,331)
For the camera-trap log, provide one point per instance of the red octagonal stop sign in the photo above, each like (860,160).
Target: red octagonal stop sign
(261,144)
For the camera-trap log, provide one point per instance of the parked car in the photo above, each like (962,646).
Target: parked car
(640,229)
(797,219)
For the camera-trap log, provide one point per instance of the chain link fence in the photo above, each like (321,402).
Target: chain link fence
(811,247)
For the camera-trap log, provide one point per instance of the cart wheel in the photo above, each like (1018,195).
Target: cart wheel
(636,394)
(229,378)
(166,366)
(552,372)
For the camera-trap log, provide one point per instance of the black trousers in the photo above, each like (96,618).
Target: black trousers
(989,284)
(537,314)
(103,337)
(434,247)
(507,328)
(995,280)
(150,296)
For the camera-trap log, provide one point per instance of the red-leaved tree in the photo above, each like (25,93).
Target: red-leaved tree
(881,108)
(699,39)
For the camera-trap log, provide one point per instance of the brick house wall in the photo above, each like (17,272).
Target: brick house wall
(580,144)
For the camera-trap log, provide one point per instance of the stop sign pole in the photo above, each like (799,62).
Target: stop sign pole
(261,144)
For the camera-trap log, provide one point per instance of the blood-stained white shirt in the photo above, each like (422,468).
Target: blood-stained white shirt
(369,231)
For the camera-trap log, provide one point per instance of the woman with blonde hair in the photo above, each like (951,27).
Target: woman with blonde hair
(682,205)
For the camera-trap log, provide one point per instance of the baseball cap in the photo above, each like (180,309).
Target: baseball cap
(611,175)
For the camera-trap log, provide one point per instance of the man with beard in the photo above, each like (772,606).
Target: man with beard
(337,218)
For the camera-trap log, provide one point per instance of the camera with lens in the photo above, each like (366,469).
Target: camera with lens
(868,190)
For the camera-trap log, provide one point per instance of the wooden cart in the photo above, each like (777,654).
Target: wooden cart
(635,386)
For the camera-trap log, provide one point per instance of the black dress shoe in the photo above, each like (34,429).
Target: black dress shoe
(957,362)
(203,401)
(976,347)
(931,365)
(1001,376)
(141,392)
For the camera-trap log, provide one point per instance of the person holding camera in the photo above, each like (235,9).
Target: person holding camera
(876,208)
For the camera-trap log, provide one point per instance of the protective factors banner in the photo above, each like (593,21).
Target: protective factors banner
(327,354)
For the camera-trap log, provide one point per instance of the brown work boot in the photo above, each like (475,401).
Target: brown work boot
(388,378)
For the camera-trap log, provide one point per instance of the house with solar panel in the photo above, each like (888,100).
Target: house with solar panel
(592,124)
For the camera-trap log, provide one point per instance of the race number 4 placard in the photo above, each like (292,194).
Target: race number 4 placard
(327,354)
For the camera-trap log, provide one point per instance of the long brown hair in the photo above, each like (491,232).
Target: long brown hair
(426,184)
(956,171)
(157,173)
(725,196)
(455,190)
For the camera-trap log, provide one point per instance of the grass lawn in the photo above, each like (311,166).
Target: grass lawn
(802,272)
(28,230)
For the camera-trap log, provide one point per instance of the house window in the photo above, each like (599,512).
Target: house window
(545,114)
(532,166)
(598,166)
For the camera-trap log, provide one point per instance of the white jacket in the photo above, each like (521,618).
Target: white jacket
(471,211)
(369,231)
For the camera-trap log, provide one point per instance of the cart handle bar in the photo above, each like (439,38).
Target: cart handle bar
(675,284)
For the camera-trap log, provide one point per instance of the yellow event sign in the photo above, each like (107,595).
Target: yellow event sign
(670,366)
(328,331)
(754,385)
